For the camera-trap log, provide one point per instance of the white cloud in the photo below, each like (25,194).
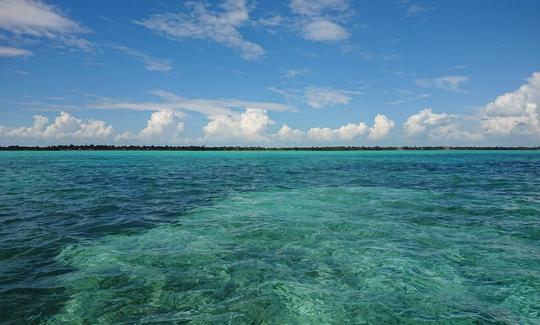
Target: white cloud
(208,107)
(21,72)
(38,19)
(323,30)
(441,126)
(163,127)
(317,7)
(419,122)
(347,132)
(201,23)
(449,83)
(317,19)
(318,97)
(381,127)
(411,97)
(515,112)
(288,93)
(271,21)
(6,52)
(162,122)
(248,126)
(293,73)
(150,63)
(65,127)
(286,133)
(413,8)
(366,55)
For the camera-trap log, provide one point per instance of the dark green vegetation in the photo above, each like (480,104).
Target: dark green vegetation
(240,148)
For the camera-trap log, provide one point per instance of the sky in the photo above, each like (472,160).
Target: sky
(270,73)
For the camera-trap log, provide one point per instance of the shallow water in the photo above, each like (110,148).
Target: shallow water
(270,237)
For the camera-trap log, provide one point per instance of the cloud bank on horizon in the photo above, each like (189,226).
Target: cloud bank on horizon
(301,72)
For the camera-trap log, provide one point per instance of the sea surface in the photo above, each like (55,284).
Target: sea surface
(433,237)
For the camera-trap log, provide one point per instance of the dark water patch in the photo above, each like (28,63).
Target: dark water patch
(458,229)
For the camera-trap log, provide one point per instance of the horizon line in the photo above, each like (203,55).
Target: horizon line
(98,147)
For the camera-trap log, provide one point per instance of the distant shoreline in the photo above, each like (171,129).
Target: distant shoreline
(241,148)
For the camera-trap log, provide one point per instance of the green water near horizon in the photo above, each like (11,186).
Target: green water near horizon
(286,237)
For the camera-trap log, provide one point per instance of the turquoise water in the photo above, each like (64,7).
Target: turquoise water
(270,237)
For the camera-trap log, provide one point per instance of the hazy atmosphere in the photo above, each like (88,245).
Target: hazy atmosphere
(270,73)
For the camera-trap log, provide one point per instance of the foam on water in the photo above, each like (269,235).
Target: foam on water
(308,256)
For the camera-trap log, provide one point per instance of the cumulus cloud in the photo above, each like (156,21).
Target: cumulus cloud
(348,132)
(249,126)
(65,127)
(441,126)
(381,127)
(286,133)
(317,19)
(516,112)
(323,30)
(202,23)
(319,97)
(6,51)
(228,119)
(419,122)
(163,127)
(448,83)
(160,122)
(150,63)
(38,19)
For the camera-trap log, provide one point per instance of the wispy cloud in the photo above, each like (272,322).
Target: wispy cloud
(288,93)
(6,52)
(516,113)
(448,83)
(203,23)
(150,63)
(413,8)
(411,98)
(367,55)
(293,73)
(317,97)
(37,19)
(324,30)
(208,107)
(318,19)
(21,72)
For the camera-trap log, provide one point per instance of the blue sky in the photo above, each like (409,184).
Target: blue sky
(299,72)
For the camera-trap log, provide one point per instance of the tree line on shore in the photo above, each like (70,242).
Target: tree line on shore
(92,147)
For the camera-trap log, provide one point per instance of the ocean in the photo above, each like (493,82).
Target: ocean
(361,237)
